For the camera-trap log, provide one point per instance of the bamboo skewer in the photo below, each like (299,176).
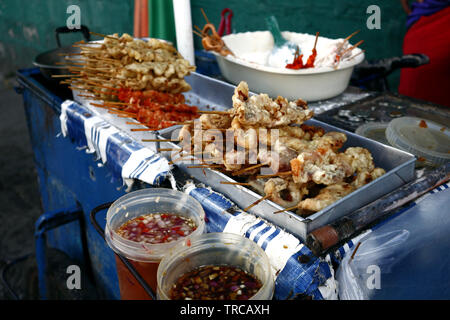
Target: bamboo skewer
(287,209)
(126,116)
(197,33)
(315,42)
(103,35)
(346,39)
(285,173)
(192,154)
(160,140)
(205,165)
(352,47)
(92,60)
(86,96)
(122,112)
(204,15)
(236,173)
(351,35)
(101,86)
(267,196)
(65,75)
(213,112)
(135,123)
(143,129)
(118,103)
(104,106)
(90,69)
(69,53)
(354,56)
(166,149)
(235,183)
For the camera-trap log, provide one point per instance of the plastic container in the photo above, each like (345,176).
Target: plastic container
(374,130)
(146,257)
(251,50)
(427,140)
(216,248)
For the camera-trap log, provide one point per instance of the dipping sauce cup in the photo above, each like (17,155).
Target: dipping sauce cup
(216,249)
(142,246)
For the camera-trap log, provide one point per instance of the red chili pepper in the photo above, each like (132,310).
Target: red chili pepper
(188,242)
(311,59)
(297,63)
(181,233)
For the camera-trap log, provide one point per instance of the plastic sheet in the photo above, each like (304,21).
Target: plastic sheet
(406,258)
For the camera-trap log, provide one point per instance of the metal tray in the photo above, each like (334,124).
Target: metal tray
(399,165)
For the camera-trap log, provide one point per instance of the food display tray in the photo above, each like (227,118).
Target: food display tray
(208,93)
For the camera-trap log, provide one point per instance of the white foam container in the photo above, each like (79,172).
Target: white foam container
(251,50)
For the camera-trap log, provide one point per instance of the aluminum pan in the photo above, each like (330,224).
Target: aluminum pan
(399,166)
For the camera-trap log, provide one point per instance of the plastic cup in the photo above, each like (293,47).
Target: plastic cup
(215,248)
(143,256)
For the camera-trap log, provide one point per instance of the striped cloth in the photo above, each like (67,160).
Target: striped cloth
(126,158)
(299,274)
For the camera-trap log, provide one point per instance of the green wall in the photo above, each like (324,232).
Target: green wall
(27,26)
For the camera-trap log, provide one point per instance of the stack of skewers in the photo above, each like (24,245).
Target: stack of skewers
(133,78)
(297,166)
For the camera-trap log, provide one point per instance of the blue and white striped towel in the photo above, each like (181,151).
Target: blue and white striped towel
(126,158)
(298,272)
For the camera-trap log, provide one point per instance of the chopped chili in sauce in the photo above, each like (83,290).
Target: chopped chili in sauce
(215,282)
(423,124)
(157,228)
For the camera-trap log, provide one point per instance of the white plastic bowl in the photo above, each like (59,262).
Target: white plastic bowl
(251,50)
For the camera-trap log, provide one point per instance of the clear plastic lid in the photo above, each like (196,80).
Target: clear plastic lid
(427,140)
(374,130)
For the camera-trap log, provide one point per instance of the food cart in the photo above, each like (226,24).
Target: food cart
(87,157)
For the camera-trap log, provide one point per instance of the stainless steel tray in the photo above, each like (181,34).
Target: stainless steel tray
(399,166)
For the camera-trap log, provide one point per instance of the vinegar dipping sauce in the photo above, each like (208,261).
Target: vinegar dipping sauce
(215,282)
(149,229)
(157,228)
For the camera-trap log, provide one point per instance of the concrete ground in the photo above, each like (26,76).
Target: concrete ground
(19,193)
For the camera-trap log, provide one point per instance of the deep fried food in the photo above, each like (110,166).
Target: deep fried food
(261,110)
(285,192)
(326,196)
(136,64)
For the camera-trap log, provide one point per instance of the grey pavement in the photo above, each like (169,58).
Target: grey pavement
(19,191)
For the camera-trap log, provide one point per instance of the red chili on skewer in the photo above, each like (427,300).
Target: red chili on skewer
(298,62)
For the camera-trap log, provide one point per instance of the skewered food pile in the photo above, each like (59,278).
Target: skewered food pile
(304,167)
(141,79)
